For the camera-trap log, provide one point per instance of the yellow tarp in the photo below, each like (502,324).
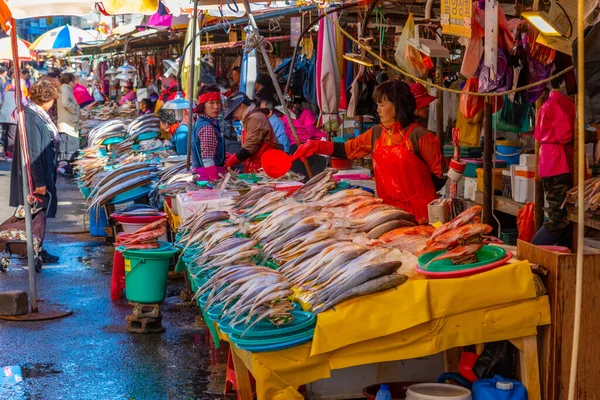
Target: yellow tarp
(279,373)
(418,301)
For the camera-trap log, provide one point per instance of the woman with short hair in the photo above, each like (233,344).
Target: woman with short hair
(41,133)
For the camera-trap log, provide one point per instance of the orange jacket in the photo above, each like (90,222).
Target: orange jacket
(426,143)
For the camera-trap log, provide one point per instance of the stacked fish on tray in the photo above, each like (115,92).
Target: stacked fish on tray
(121,180)
(115,128)
(147,123)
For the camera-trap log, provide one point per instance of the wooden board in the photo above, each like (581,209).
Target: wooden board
(592,220)
(502,204)
(556,339)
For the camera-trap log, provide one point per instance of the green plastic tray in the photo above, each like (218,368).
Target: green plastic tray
(303,321)
(486,255)
(279,339)
(250,178)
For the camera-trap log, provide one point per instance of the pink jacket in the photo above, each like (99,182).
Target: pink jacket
(554,130)
(129,96)
(81,94)
(306,127)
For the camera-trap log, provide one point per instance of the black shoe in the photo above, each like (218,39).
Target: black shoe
(48,258)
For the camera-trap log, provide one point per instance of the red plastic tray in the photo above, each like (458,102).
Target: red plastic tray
(138,219)
(466,272)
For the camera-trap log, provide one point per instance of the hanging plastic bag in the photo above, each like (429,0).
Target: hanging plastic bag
(473,51)
(513,117)
(526,222)
(503,81)
(497,358)
(407,57)
(470,105)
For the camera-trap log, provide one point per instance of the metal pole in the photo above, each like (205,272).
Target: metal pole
(22,129)
(488,179)
(276,84)
(190,122)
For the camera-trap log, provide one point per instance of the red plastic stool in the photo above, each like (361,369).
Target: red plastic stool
(230,381)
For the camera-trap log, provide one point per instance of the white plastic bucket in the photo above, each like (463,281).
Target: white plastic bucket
(437,391)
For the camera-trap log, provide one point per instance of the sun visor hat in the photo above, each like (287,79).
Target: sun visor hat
(234,102)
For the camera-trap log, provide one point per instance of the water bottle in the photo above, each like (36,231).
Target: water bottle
(383,393)
(498,388)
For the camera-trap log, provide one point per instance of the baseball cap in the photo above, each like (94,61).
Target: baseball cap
(422,97)
(233,102)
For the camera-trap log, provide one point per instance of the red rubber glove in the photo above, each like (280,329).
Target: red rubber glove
(232,161)
(211,173)
(313,147)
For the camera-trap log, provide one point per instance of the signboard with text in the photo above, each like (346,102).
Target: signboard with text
(456,17)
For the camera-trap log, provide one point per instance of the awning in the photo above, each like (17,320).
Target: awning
(47,8)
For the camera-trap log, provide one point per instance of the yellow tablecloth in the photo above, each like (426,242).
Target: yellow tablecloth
(419,318)
(279,373)
(418,301)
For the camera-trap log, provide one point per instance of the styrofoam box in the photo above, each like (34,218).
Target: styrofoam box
(191,202)
(527,160)
(470,188)
(524,190)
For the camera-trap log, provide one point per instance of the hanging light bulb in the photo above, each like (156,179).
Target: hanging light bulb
(178,104)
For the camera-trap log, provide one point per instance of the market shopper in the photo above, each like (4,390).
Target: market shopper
(257,133)
(277,125)
(129,94)
(236,76)
(407,158)
(9,125)
(554,131)
(177,131)
(69,115)
(208,146)
(146,106)
(40,143)
(265,90)
(82,95)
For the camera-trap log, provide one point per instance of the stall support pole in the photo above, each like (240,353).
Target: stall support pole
(280,96)
(22,131)
(580,194)
(439,104)
(539,187)
(190,122)
(488,179)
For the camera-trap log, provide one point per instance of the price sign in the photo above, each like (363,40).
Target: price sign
(456,16)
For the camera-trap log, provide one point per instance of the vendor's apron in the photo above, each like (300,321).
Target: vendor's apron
(253,163)
(402,179)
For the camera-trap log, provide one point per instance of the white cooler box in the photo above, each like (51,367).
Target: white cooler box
(189,203)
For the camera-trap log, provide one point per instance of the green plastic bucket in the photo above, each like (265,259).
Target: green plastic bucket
(146,273)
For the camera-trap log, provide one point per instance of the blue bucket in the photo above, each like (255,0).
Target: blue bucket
(98,223)
(510,154)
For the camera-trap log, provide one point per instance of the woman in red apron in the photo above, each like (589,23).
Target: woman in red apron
(407,159)
(257,135)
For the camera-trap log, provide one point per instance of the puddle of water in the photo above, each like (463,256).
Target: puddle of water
(16,373)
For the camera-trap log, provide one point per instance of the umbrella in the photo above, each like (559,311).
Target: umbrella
(328,74)
(63,37)
(187,61)
(6,50)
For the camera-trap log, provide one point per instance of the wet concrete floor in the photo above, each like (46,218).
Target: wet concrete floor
(89,355)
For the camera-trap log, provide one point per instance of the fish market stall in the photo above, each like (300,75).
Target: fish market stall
(326,279)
